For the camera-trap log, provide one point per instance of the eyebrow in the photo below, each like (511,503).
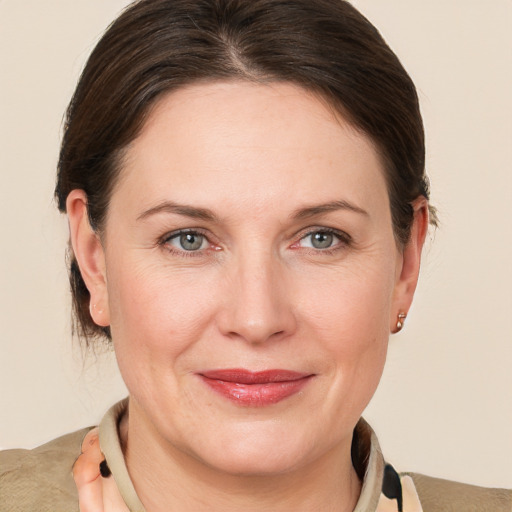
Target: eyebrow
(179,209)
(207,215)
(312,211)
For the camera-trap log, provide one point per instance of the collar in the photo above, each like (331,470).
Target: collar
(110,445)
(383,489)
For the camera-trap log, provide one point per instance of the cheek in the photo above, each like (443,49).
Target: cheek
(349,315)
(354,328)
(155,315)
(350,305)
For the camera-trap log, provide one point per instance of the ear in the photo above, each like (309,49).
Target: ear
(90,256)
(408,268)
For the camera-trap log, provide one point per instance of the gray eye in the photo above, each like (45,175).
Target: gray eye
(191,241)
(322,240)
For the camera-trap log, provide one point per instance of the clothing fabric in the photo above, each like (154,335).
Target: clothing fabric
(41,479)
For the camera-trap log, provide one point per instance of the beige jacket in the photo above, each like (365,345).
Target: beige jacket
(41,479)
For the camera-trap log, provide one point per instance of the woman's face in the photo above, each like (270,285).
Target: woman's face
(250,231)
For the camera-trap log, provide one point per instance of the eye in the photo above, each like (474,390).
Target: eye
(189,241)
(320,239)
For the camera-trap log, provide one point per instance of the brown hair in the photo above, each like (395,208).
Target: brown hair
(157,46)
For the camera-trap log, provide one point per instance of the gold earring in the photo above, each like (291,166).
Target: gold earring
(400,321)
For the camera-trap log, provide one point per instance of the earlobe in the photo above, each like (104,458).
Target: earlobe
(408,273)
(90,256)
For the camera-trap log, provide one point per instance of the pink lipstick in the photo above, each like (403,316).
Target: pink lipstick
(255,389)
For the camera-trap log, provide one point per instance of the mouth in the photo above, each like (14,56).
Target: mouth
(255,389)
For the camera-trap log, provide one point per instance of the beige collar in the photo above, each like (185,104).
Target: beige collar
(110,445)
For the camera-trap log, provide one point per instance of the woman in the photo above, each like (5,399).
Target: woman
(247,202)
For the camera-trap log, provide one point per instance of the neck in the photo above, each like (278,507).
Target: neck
(167,478)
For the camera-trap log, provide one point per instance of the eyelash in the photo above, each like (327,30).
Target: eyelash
(345,240)
(164,242)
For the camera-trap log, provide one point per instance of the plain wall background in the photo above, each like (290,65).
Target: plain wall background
(444,406)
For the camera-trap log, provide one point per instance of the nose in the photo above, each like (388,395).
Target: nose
(258,305)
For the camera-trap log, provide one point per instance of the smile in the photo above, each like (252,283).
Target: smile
(255,389)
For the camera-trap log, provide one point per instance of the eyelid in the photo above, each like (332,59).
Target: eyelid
(342,235)
(164,241)
(345,238)
(184,231)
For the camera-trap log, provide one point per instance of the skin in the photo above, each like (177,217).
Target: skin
(264,161)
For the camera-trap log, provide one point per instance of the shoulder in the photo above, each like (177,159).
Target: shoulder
(438,495)
(41,479)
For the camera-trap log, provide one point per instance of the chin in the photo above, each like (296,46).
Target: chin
(255,450)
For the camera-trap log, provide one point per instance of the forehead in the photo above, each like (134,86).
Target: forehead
(249,143)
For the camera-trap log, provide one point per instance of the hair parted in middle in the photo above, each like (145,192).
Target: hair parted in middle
(158,46)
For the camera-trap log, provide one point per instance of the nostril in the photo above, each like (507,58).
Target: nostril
(255,336)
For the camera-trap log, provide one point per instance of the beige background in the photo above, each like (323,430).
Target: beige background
(444,405)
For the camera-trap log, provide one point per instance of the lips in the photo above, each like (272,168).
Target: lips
(255,389)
